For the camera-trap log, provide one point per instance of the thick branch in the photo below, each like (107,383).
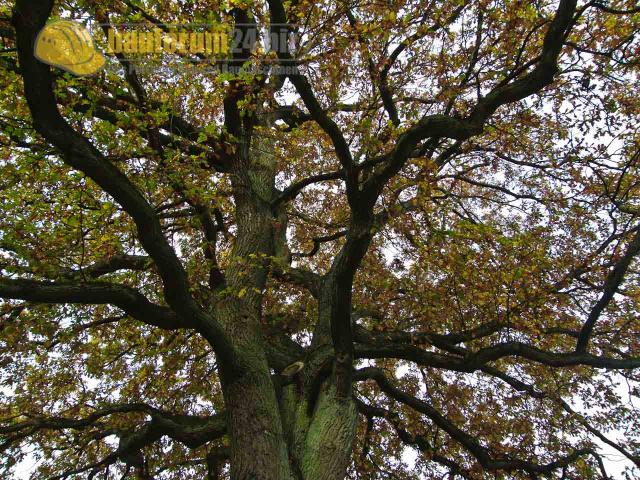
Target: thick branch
(79,153)
(192,431)
(436,126)
(111,265)
(305,90)
(470,443)
(128,299)
(294,189)
(469,361)
(611,285)
(417,441)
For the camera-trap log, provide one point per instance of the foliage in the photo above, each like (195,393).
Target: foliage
(439,216)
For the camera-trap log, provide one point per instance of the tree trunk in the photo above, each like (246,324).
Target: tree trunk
(258,447)
(301,431)
(330,438)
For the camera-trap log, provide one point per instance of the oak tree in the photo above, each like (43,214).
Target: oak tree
(414,255)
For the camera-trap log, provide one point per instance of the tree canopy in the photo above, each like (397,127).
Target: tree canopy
(414,257)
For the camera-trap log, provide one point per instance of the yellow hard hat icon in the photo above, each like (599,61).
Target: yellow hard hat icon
(68,45)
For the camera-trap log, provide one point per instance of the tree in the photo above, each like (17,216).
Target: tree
(424,241)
